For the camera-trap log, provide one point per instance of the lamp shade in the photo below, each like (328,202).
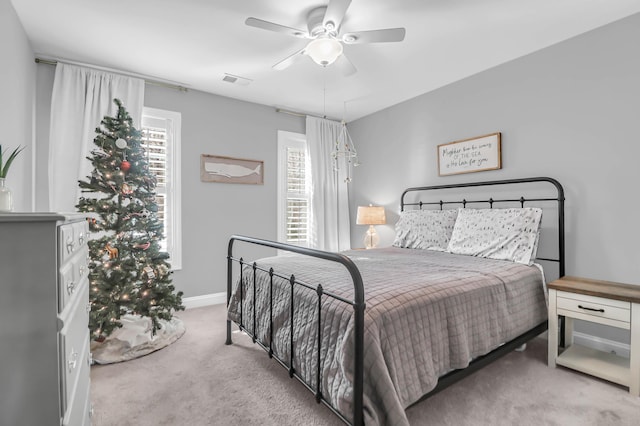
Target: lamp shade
(324,51)
(371,215)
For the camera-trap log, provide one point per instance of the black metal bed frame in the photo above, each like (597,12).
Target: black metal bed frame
(358,302)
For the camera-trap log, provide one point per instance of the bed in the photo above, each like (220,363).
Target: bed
(372,332)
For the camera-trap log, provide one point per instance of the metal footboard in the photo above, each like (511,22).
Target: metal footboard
(358,305)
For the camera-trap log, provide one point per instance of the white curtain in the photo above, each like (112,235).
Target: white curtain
(80,100)
(330,229)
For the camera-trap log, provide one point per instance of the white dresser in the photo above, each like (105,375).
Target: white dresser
(44,317)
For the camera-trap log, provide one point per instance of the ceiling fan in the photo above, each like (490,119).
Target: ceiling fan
(325,47)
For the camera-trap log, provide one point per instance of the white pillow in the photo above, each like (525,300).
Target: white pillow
(425,229)
(503,234)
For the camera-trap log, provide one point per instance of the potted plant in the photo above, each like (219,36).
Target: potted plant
(6,203)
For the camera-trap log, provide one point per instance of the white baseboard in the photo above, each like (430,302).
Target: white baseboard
(601,344)
(204,300)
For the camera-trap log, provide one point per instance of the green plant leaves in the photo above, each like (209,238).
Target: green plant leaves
(5,169)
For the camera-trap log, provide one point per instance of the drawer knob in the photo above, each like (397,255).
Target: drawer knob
(71,286)
(81,238)
(70,245)
(586,308)
(73,360)
(89,307)
(81,271)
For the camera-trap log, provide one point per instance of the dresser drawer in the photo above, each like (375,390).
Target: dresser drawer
(66,242)
(77,410)
(81,233)
(88,408)
(74,346)
(595,307)
(72,277)
(67,285)
(72,237)
(81,264)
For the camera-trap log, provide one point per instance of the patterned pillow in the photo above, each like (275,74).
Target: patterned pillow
(503,234)
(425,229)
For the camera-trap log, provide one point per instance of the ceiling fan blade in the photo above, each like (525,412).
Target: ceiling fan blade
(289,60)
(335,14)
(345,66)
(374,36)
(270,26)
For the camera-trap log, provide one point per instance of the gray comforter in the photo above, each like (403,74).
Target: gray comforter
(427,313)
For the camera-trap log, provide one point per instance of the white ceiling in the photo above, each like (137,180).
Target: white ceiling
(195,42)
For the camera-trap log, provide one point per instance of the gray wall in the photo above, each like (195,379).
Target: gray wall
(211,212)
(570,111)
(17,76)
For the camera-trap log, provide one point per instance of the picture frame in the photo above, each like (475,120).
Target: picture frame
(477,154)
(215,168)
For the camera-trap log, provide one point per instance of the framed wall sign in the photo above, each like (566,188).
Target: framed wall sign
(214,168)
(470,155)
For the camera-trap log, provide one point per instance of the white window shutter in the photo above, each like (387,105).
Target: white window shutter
(297,197)
(161,139)
(293,189)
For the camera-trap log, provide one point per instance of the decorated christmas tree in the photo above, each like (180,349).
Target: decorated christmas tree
(128,272)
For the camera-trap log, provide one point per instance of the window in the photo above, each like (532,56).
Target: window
(294,199)
(161,139)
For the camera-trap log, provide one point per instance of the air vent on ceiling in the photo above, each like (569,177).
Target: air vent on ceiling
(234,79)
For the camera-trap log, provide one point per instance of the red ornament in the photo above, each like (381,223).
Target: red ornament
(125,166)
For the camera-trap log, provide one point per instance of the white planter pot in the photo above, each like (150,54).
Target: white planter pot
(6,203)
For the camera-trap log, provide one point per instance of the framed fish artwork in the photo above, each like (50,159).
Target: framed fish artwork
(214,168)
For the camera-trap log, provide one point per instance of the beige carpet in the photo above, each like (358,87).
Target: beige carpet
(199,380)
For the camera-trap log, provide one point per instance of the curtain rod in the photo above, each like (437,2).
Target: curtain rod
(146,80)
(301,114)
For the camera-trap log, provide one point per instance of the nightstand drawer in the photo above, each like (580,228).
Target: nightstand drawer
(597,307)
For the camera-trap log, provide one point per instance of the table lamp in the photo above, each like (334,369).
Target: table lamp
(371,215)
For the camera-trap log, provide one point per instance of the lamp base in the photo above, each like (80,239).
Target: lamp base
(371,238)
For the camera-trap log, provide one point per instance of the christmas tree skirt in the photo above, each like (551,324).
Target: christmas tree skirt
(134,339)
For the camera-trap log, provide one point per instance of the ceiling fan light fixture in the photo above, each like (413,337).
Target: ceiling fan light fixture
(326,41)
(324,51)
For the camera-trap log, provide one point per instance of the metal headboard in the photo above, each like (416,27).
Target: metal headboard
(559,199)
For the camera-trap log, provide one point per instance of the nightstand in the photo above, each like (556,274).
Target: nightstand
(602,302)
